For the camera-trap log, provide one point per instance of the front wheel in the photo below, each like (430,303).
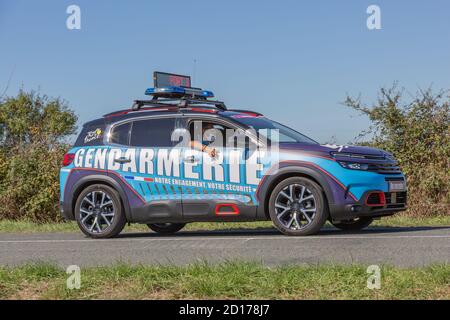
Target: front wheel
(297,207)
(166,228)
(353,224)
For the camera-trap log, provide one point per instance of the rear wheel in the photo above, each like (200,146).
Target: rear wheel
(297,207)
(166,228)
(353,224)
(99,212)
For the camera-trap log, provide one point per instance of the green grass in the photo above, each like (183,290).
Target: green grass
(394,221)
(232,280)
(407,221)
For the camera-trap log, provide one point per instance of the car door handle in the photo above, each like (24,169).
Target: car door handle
(190,159)
(122,160)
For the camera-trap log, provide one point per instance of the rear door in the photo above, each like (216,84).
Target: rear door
(142,155)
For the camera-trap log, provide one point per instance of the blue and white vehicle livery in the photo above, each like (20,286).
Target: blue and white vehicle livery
(126,167)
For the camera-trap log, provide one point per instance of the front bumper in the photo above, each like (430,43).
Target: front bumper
(395,202)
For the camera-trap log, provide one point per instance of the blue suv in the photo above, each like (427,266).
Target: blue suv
(142,165)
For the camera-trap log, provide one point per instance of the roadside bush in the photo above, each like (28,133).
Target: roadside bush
(33,130)
(417,132)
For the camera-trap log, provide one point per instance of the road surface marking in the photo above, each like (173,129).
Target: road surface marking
(193,238)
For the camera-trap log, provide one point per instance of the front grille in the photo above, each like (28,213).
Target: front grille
(384,168)
(382,164)
(395,199)
(358,156)
(394,178)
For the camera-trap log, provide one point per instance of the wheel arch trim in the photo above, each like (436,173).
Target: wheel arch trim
(86,181)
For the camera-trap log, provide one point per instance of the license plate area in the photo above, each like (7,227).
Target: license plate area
(397,186)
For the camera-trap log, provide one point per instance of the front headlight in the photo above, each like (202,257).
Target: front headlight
(354,165)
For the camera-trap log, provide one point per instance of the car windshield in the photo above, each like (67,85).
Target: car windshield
(266,126)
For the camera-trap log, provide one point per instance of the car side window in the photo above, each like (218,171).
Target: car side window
(120,134)
(152,132)
(232,137)
(207,132)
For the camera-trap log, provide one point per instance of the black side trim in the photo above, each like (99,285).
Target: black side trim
(201,210)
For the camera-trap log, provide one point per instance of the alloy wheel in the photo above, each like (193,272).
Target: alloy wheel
(295,206)
(97,211)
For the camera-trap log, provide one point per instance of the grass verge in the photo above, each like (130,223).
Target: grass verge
(232,280)
(393,221)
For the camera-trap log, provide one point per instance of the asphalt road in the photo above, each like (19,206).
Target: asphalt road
(396,246)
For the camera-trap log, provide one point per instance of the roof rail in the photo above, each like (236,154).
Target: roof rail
(166,104)
(178,103)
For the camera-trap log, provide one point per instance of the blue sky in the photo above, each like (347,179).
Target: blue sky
(294,61)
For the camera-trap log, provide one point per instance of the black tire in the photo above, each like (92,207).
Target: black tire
(166,228)
(118,220)
(318,218)
(354,224)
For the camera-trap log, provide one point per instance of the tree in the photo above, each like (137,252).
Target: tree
(417,132)
(34,130)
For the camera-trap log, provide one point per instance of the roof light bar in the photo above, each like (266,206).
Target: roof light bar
(178,92)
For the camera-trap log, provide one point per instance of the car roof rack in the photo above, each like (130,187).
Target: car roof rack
(183,102)
(178,96)
(174,104)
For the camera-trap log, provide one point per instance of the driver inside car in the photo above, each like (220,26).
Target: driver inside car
(208,136)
